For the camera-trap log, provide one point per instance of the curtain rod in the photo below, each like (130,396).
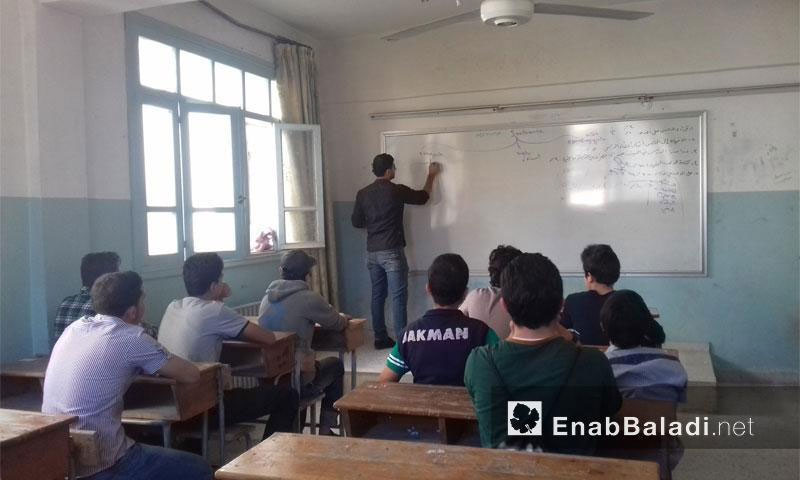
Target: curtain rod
(239,24)
(642,98)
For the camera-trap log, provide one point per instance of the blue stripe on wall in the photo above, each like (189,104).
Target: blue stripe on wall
(41,245)
(747,308)
(15,331)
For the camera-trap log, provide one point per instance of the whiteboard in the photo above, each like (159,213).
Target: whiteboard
(637,184)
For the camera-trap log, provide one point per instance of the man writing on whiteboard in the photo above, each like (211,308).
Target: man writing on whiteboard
(379,208)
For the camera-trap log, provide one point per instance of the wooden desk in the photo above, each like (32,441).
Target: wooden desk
(448,411)
(33,445)
(150,400)
(253,360)
(300,457)
(345,341)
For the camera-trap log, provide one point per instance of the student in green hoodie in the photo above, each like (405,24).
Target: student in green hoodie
(291,306)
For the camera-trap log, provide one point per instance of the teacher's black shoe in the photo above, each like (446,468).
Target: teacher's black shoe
(384,343)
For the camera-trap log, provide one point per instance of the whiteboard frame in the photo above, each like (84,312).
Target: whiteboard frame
(700,115)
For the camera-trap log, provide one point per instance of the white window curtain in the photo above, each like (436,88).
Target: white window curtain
(296,77)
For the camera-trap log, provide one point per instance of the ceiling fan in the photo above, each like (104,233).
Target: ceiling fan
(510,13)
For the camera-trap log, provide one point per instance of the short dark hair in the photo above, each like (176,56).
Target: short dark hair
(532,290)
(200,271)
(448,276)
(498,259)
(95,264)
(602,263)
(628,322)
(113,293)
(381,163)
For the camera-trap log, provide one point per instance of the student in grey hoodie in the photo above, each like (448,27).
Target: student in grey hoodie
(291,306)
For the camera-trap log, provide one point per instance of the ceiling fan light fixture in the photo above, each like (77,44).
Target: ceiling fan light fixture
(506,13)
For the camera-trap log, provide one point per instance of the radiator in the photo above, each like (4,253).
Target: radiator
(247,310)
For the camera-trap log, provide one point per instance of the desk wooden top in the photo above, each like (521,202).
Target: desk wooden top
(17,426)
(347,340)
(295,457)
(409,399)
(279,337)
(37,367)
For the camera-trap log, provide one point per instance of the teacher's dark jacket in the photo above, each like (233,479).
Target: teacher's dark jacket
(379,207)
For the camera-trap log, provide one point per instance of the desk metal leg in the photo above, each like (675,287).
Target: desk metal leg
(353,372)
(205,434)
(221,416)
(166,429)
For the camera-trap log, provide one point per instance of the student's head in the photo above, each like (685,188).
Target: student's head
(119,294)
(601,263)
(498,259)
(95,264)
(628,323)
(296,265)
(447,279)
(532,290)
(202,275)
(382,164)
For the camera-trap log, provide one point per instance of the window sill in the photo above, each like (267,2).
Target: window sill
(252,259)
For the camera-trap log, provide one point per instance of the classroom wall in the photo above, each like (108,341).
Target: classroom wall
(747,308)
(65,181)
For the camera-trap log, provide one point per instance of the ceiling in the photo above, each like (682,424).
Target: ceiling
(335,19)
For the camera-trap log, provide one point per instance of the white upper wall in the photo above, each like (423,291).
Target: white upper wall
(684,36)
(43,145)
(686,45)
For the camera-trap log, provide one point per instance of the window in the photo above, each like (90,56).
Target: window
(213,167)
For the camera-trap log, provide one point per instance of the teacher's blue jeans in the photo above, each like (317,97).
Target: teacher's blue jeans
(155,463)
(388,270)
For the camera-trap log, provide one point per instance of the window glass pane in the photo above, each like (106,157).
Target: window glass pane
(256,93)
(210,160)
(157,65)
(196,77)
(301,227)
(228,85)
(262,178)
(162,233)
(159,156)
(298,168)
(214,232)
(275,102)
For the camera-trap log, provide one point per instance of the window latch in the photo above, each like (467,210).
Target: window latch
(240,199)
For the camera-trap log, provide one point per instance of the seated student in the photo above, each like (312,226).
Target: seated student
(91,367)
(484,303)
(195,326)
(642,369)
(435,347)
(582,310)
(80,305)
(536,364)
(291,306)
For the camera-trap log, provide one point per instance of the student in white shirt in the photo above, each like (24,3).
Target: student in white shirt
(195,327)
(92,365)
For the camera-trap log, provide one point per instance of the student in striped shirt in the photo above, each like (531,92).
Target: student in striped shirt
(642,369)
(91,367)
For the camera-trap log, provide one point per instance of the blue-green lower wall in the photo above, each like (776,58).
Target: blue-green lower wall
(41,245)
(747,308)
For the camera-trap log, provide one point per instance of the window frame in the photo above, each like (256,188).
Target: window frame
(137,25)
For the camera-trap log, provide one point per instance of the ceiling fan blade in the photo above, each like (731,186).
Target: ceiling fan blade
(410,32)
(577,10)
